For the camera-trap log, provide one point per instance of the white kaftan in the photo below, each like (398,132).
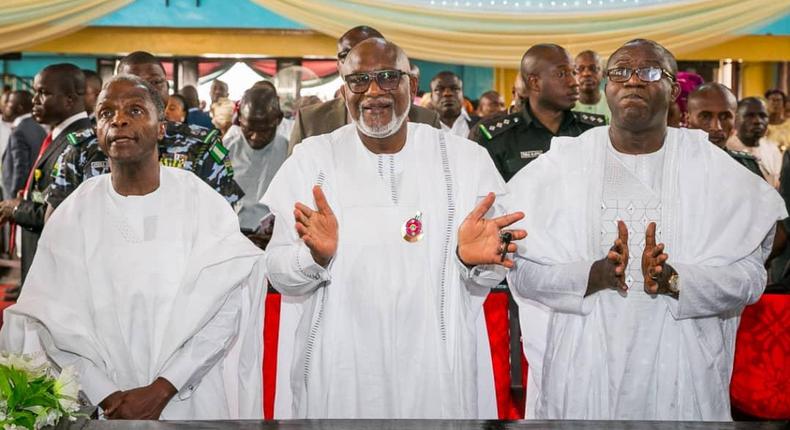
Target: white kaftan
(253,170)
(388,330)
(637,356)
(129,289)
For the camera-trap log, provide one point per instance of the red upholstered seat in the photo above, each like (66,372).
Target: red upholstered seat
(761,376)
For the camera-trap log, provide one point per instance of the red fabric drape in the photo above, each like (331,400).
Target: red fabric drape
(271,335)
(760,383)
(497,316)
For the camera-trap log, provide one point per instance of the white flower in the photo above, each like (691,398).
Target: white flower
(35,364)
(48,419)
(67,389)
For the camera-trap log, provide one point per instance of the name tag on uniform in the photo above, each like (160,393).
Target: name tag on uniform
(530,154)
(100,166)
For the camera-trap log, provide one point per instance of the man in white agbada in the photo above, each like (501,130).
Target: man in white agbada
(144,283)
(257,152)
(646,242)
(389,327)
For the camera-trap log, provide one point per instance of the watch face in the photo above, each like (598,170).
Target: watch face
(673,283)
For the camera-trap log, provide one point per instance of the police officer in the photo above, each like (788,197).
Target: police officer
(185,146)
(516,139)
(58,102)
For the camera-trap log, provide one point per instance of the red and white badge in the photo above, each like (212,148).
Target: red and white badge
(412,229)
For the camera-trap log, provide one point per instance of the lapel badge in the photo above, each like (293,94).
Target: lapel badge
(412,229)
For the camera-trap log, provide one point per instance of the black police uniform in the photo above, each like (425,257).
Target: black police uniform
(515,139)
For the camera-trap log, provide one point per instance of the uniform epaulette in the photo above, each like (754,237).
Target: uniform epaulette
(594,119)
(741,154)
(491,127)
(77,137)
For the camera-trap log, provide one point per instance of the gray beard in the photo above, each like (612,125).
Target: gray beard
(385,130)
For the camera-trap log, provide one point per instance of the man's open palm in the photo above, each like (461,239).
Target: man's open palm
(479,239)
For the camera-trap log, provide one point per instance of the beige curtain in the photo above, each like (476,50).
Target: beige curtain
(27,22)
(499,39)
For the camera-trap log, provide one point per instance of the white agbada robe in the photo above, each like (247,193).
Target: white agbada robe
(253,170)
(388,330)
(636,356)
(128,289)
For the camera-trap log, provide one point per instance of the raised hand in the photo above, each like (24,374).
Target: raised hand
(653,260)
(479,240)
(317,228)
(609,272)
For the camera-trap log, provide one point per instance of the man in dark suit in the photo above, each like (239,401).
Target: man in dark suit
(195,116)
(58,102)
(329,116)
(24,143)
(447,98)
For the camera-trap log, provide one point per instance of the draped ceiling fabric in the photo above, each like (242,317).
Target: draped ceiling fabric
(497,32)
(27,22)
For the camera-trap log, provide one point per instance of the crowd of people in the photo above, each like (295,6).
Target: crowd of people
(631,208)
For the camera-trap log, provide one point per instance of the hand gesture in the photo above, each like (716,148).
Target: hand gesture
(479,239)
(317,228)
(609,272)
(653,260)
(7,210)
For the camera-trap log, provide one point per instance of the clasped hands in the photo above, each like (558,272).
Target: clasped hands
(609,272)
(142,403)
(479,239)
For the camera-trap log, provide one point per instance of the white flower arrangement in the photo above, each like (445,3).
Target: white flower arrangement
(33,395)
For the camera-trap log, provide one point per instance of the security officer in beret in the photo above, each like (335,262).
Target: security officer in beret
(515,139)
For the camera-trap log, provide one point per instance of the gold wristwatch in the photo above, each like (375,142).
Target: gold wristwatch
(672,285)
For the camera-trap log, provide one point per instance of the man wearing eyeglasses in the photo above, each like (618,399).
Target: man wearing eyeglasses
(329,116)
(368,220)
(645,243)
(517,139)
(589,73)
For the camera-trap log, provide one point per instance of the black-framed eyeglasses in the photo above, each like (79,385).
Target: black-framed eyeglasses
(387,80)
(645,74)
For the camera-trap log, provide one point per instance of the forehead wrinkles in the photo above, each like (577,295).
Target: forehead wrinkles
(125,92)
(638,56)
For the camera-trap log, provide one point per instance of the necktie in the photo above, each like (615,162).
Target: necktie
(44,145)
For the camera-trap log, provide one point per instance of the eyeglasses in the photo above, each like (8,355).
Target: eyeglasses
(387,80)
(645,74)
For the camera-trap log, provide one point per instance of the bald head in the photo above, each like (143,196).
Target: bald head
(259,115)
(535,58)
(352,37)
(144,65)
(667,58)
(714,91)
(711,108)
(377,50)
(549,78)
